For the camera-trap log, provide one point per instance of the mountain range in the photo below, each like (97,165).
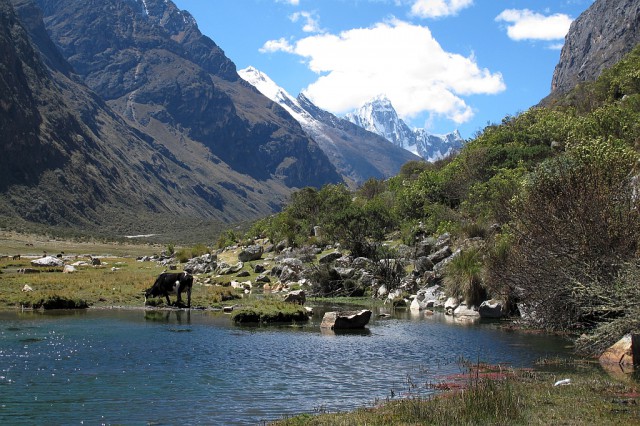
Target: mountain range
(356,153)
(120,117)
(379,116)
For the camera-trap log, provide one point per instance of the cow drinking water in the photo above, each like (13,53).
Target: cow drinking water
(171,283)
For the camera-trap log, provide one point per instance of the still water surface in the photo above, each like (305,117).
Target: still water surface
(137,367)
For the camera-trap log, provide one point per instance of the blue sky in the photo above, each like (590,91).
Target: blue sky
(444,64)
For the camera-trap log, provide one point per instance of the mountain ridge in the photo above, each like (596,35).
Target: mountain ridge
(379,116)
(356,153)
(119,152)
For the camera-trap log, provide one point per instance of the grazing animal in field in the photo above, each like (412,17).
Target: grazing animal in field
(171,283)
(16,257)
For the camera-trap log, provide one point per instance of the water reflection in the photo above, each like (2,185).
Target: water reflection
(117,367)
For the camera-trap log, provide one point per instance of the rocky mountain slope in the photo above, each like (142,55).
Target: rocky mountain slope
(597,39)
(165,128)
(356,153)
(379,116)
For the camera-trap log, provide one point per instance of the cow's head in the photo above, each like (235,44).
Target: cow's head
(151,292)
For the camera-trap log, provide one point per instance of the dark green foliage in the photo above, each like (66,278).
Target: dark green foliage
(59,302)
(464,277)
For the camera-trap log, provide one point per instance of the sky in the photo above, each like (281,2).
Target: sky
(443,64)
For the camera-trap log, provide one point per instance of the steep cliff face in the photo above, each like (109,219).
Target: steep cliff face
(66,158)
(151,64)
(597,39)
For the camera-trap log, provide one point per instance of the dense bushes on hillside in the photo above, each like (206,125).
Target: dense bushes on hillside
(559,187)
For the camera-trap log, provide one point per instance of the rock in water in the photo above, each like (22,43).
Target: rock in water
(346,320)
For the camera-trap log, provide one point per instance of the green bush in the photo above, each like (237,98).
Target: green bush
(464,277)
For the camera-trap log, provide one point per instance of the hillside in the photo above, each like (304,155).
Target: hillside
(115,131)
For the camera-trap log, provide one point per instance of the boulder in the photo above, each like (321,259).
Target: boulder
(361,262)
(47,261)
(422,265)
(224,269)
(450,305)
(443,240)
(297,296)
(418,305)
(258,268)
(330,257)
(466,311)
(250,253)
(425,247)
(625,352)
(68,269)
(440,255)
(345,273)
(243,274)
(27,288)
(202,264)
(346,320)
(491,309)
(263,279)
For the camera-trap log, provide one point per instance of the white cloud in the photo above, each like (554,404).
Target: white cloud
(396,58)
(438,8)
(291,2)
(528,25)
(280,45)
(310,19)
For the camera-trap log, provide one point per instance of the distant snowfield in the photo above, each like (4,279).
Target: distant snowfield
(141,236)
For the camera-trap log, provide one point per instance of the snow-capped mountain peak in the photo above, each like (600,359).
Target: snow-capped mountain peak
(379,116)
(358,155)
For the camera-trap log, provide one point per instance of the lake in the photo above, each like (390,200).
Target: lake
(170,367)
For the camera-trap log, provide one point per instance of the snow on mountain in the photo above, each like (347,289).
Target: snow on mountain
(356,153)
(380,117)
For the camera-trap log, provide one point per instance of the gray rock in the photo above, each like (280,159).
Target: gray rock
(361,263)
(466,311)
(450,305)
(491,309)
(297,296)
(422,265)
(224,269)
(440,255)
(425,247)
(346,320)
(47,261)
(330,257)
(250,253)
(258,268)
(202,264)
(345,273)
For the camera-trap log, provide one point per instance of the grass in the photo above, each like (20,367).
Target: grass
(97,286)
(269,310)
(498,397)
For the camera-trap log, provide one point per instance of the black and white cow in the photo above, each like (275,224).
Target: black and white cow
(171,283)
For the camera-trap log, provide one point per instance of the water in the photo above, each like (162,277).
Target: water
(137,367)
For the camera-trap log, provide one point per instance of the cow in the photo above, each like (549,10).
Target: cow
(171,283)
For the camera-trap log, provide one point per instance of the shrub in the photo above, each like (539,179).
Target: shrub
(464,277)
(576,223)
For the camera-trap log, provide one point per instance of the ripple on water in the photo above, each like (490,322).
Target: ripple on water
(120,367)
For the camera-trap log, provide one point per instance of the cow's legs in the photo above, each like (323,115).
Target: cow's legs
(168,300)
(189,298)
